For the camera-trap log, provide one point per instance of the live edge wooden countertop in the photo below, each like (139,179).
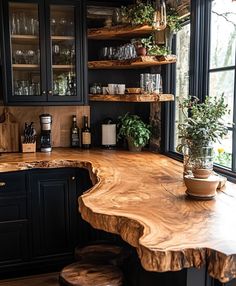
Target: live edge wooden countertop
(141,196)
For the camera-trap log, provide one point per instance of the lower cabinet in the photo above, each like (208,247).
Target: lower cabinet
(53,196)
(40,223)
(14,220)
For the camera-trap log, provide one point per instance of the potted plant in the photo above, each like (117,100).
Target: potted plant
(203,125)
(173,26)
(140,13)
(150,48)
(134,130)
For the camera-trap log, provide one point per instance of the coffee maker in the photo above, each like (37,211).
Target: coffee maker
(45,137)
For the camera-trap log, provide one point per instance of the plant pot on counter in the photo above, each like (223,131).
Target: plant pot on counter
(132,147)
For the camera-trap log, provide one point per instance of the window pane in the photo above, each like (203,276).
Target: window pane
(223,151)
(182,74)
(223,82)
(223,33)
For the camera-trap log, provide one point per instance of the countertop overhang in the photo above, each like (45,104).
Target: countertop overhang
(141,197)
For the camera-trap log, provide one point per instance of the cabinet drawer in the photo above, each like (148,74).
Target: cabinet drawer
(14,245)
(12,182)
(12,209)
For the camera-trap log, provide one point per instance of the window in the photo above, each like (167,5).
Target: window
(212,70)
(181,75)
(222,72)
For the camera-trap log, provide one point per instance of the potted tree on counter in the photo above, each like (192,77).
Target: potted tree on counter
(134,130)
(203,125)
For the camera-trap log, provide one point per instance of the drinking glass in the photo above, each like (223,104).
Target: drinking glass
(29,56)
(19,57)
(63,26)
(53,26)
(13,24)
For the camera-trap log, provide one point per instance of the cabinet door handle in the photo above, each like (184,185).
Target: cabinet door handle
(2,184)
(50,92)
(73,178)
(43,92)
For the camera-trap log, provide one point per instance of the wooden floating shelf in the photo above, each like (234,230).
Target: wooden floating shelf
(63,67)
(118,32)
(25,67)
(141,62)
(24,39)
(132,97)
(62,38)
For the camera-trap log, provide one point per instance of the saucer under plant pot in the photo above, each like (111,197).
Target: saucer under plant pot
(201,188)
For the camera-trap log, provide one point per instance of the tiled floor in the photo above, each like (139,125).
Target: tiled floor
(50,279)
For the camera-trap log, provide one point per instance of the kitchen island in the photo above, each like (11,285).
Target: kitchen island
(141,197)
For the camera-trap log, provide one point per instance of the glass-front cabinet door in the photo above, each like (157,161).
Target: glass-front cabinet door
(43,51)
(25,63)
(64,60)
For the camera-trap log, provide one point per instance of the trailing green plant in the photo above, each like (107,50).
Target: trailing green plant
(154,49)
(203,123)
(140,13)
(157,50)
(172,18)
(132,127)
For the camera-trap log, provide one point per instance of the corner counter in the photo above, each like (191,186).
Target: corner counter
(141,197)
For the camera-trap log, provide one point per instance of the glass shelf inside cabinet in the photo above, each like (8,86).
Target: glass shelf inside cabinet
(25,49)
(63,50)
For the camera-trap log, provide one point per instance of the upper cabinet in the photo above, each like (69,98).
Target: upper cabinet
(44,51)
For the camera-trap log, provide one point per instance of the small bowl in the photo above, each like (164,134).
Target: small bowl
(201,188)
(133,90)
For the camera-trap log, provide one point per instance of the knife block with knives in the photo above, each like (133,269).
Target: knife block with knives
(9,132)
(28,141)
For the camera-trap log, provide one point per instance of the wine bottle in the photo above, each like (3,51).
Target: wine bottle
(86,134)
(74,133)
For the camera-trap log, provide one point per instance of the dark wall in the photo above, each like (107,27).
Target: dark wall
(131,78)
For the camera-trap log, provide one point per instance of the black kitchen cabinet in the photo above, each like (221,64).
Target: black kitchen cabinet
(44,52)
(40,223)
(53,195)
(14,219)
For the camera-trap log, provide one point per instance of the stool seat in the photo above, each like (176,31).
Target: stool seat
(101,253)
(85,274)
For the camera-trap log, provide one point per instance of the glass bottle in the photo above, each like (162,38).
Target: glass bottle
(86,134)
(74,133)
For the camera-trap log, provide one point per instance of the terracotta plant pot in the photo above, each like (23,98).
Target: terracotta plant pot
(201,173)
(201,188)
(141,51)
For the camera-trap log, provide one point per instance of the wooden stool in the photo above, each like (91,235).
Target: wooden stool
(102,253)
(84,274)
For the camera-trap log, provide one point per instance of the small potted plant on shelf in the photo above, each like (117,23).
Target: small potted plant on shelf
(203,125)
(140,13)
(134,130)
(150,48)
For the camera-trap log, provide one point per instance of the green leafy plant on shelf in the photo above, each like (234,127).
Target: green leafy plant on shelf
(134,130)
(173,20)
(154,49)
(140,13)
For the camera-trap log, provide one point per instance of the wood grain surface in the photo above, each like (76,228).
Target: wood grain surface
(132,97)
(141,197)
